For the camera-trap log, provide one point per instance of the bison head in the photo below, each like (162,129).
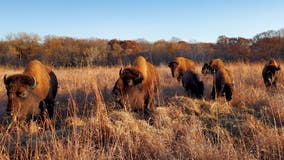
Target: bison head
(175,70)
(20,95)
(117,90)
(129,78)
(216,64)
(206,69)
(273,68)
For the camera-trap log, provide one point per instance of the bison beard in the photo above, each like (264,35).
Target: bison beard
(31,93)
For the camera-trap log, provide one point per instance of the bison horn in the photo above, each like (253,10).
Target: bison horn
(34,82)
(120,71)
(5,79)
(172,63)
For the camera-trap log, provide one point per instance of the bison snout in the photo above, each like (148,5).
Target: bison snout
(115,95)
(179,77)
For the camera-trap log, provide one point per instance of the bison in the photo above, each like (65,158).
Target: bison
(223,83)
(32,92)
(136,86)
(271,73)
(184,69)
(180,65)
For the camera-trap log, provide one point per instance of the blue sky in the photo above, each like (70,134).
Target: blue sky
(200,20)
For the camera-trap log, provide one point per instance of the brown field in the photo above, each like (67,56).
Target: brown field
(88,126)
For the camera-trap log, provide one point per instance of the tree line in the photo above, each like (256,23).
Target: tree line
(18,49)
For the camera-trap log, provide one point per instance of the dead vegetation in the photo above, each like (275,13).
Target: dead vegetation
(87,125)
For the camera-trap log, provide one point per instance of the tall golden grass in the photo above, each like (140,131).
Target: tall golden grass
(87,124)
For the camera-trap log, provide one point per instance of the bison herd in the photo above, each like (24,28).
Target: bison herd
(136,89)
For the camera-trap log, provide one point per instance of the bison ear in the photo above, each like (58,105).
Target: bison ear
(120,71)
(5,80)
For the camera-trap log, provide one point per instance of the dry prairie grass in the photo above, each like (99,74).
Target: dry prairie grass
(87,125)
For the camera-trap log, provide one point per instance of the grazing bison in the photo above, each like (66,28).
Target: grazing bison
(192,85)
(270,73)
(184,69)
(223,83)
(136,86)
(180,65)
(32,92)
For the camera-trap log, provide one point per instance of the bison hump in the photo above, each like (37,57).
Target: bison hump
(41,73)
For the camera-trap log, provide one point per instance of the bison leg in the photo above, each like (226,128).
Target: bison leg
(50,107)
(267,82)
(43,111)
(200,90)
(213,93)
(274,84)
(270,82)
(148,105)
(46,109)
(228,89)
(43,115)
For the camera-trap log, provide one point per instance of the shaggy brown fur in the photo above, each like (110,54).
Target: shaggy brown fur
(136,86)
(32,92)
(180,65)
(184,69)
(223,83)
(271,73)
(216,64)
